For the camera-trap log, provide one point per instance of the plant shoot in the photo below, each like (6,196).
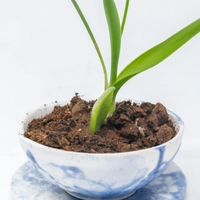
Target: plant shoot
(105,105)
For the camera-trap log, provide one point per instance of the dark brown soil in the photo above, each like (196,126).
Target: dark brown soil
(131,127)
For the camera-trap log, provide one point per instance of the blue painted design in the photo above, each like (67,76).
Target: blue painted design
(28,184)
(37,166)
(72,172)
(76,173)
(160,167)
(31,157)
(159,186)
(131,187)
(107,190)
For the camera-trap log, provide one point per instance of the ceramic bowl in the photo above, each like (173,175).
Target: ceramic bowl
(99,176)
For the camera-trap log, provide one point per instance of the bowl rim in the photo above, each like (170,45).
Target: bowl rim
(178,120)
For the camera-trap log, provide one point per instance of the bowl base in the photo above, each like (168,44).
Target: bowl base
(100,198)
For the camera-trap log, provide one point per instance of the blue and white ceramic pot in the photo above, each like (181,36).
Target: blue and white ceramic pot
(99,176)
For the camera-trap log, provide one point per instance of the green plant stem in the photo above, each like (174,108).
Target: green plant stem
(103,106)
(124,16)
(113,22)
(94,42)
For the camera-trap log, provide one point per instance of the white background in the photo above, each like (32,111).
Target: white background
(46,55)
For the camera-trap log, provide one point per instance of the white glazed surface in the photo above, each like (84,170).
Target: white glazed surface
(107,176)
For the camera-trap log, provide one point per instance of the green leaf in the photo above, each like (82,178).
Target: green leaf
(157,54)
(124,16)
(94,42)
(115,36)
(101,109)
